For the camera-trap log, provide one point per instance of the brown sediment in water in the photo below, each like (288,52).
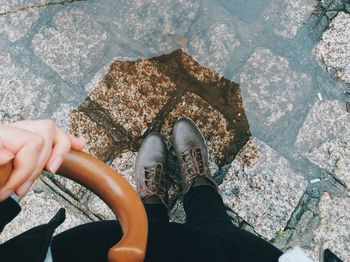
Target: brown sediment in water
(138,97)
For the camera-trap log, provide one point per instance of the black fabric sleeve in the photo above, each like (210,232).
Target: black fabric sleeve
(9,209)
(33,244)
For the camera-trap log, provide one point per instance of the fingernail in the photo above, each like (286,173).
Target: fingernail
(6,155)
(55,164)
(24,188)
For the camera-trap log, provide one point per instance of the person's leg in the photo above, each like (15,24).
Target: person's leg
(204,207)
(205,210)
(89,242)
(156,212)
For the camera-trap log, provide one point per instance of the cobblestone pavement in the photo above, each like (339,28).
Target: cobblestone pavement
(268,82)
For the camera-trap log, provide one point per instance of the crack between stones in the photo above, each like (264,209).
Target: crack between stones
(71,200)
(224,90)
(121,138)
(36,6)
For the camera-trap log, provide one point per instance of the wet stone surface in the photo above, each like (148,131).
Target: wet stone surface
(135,98)
(333,231)
(212,124)
(274,94)
(15,26)
(22,93)
(152,33)
(99,141)
(70,52)
(262,188)
(315,143)
(333,51)
(294,14)
(149,95)
(134,93)
(217,52)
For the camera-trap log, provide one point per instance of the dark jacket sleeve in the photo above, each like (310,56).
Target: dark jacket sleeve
(9,209)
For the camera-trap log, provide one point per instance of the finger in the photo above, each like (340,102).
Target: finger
(46,128)
(47,131)
(62,146)
(24,188)
(5,156)
(78,143)
(24,163)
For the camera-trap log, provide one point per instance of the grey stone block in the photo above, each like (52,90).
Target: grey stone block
(324,138)
(333,51)
(262,188)
(12,6)
(15,26)
(333,232)
(149,23)
(293,15)
(273,94)
(246,10)
(22,93)
(215,51)
(69,46)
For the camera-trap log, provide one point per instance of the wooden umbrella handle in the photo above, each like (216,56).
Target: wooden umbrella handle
(116,192)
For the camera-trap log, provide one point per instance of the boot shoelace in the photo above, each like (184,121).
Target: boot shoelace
(193,163)
(154,182)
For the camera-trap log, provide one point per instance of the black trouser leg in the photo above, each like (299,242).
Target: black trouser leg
(89,242)
(205,209)
(157,212)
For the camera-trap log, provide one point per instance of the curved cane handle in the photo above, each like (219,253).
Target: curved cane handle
(116,192)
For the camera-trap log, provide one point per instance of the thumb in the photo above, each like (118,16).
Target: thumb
(5,156)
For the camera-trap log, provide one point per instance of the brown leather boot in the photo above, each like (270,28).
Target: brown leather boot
(150,170)
(192,152)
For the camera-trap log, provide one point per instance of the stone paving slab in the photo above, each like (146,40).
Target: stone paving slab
(134,20)
(274,94)
(16,25)
(134,93)
(216,50)
(8,7)
(23,94)
(221,46)
(333,232)
(68,46)
(333,51)
(262,188)
(324,138)
(293,15)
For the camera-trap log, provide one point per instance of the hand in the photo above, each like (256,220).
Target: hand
(33,146)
